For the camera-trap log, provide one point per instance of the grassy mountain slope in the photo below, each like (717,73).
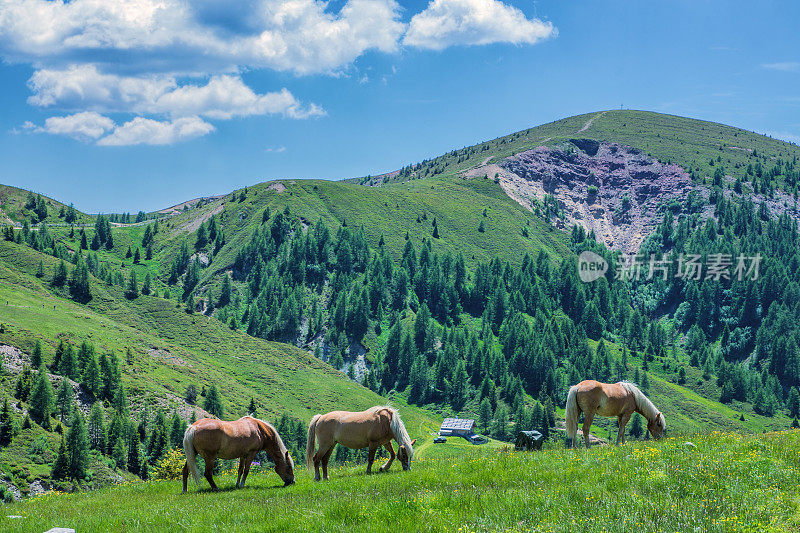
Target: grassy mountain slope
(688,142)
(13,208)
(719,482)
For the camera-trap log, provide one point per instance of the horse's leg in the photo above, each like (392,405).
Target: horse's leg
(239,474)
(324,444)
(325,459)
(209,471)
(248,460)
(388,463)
(372,449)
(622,420)
(587,422)
(185,475)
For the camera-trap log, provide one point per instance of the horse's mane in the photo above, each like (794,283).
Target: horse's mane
(643,403)
(398,428)
(278,439)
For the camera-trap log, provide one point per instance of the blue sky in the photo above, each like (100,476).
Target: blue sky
(118,108)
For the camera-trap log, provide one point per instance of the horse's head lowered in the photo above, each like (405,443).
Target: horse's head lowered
(285,468)
(405,455)
(657,426)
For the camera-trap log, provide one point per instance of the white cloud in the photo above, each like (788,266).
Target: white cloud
(473,22)
(85,126)
(786,66)
(187,36)
(223,97)
(142,130)
(173,64)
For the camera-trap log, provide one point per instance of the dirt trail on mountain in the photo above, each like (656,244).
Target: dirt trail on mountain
(589,122)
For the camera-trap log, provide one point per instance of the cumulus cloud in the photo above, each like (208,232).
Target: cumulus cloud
(85,126)
(302,36)
(223,97)
(175,64)
(142,130)
(473,22)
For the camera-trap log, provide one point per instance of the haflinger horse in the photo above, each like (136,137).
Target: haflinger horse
(371,429)
(610,399)
(240,439)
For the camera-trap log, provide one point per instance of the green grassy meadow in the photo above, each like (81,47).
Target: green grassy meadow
(720,482)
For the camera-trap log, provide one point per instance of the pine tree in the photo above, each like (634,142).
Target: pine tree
(7,423)
(177,427)
(119,453)
(482,226)
(60,274)
(213,402)
(91,377)
(252,410)
(64,400)
(96,428)
(137,257)
(41,400)
(68,364)
(40,270)
(133,287)
(77,446)
(190,304)
(635,429)
(793,402)
(225,291)
(60,468)
(458,388)
(500,423)
(36,354)
(485,414)
(134,456)
(79,282)
(147,286)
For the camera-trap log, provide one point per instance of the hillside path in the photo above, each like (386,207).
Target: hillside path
(589,122)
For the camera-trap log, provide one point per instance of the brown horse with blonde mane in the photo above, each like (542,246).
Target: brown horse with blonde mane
(241,439)
(371,429)
(610,399)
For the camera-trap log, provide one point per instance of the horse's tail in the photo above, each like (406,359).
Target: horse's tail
(191,453)
(311,444)
(572,413)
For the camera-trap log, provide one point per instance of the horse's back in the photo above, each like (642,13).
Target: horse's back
(224,438)
(356,429)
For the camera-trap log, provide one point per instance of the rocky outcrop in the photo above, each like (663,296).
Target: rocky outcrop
(615,190)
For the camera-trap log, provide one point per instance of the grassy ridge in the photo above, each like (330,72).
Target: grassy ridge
(688,142)
(719,482)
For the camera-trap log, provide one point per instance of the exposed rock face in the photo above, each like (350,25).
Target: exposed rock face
(617,172)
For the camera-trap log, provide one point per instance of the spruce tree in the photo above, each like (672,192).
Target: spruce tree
(91,377)
(41,400)
(225,291)
(134,456)
(96,428)
(132,290)
(68,364)
(60,274)
(793,402)
(137,257)
(60,468)
(120,453)
(147,286)
(213,402)
(485,414)
(64,401)
(77,446)
(7,423)
(252,410)
(36,354)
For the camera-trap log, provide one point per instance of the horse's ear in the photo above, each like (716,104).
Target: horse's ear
(286,454)
(413,442)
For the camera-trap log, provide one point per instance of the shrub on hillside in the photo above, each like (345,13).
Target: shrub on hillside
(170,466)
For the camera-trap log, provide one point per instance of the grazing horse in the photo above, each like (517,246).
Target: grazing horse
(371,429)
(241,439)
(610,399)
